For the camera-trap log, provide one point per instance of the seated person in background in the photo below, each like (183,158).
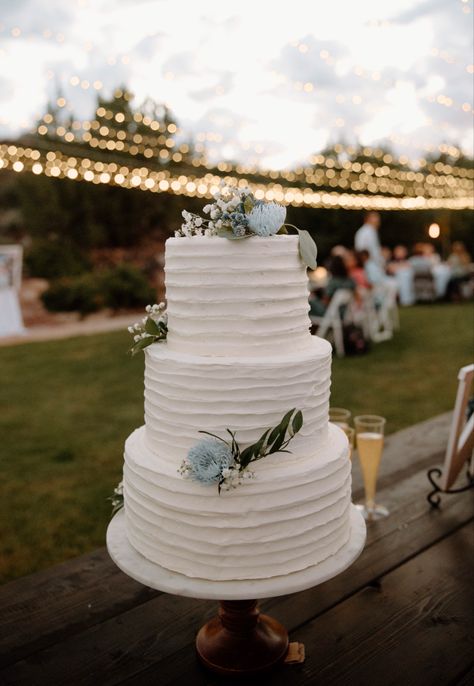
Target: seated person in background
(338,278)
(419,261)
(339,250)
(399,259)
(400,253)
(459,262)
(429,252)
(459,259)
(401,271)
(355,268)
(386,254)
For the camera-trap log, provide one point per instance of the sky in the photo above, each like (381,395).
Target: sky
(267,83)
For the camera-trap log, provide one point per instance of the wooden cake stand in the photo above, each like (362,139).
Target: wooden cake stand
(239,640)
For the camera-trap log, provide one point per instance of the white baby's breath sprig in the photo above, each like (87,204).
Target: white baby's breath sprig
(117,498)
(152,328)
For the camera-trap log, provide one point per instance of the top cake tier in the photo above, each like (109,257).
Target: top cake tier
(236,297)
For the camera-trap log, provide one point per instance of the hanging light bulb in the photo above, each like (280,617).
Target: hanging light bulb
(434,230)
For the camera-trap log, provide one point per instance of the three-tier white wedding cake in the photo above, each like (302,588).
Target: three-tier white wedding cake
(238,356)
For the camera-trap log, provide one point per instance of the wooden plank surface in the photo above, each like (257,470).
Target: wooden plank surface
(415,627)
(159,634)
(38,610)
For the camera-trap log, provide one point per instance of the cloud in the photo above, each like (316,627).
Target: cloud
(422,9)
(371,68)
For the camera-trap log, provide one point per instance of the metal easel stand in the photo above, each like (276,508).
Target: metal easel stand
(434,497)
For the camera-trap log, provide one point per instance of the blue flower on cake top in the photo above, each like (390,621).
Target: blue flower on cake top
(266,219)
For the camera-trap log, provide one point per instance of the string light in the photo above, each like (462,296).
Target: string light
(59,165)
(437,180)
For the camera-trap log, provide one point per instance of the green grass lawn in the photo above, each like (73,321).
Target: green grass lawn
(67,407)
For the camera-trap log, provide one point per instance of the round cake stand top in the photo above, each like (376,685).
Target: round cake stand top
(154,576)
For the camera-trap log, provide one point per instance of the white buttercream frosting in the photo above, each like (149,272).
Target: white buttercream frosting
(243,297)
(293,515)
(238,356)
(185,394)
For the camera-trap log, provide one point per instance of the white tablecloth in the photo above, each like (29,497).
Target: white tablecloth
(11,322)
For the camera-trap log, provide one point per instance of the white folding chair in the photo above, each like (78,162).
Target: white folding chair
(332,321)
(460,444)
(358,312)
(382,311)
(461,435)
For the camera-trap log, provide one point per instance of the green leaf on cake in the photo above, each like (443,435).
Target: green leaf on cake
(282,230)
(282,427)
(260,445)
(141,344)
(274,435)
(246,457)
(248,205)
(152,327)
(297,422)
(308,249)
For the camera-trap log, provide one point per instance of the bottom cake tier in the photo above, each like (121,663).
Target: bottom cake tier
(293,515)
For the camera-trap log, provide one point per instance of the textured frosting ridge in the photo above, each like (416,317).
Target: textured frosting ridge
(245,297)
(292,516)
(185,394)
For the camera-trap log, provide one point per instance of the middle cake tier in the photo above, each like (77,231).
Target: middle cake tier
(185,394)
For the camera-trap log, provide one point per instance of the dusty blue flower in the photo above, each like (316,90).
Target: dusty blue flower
(266,219)
(207,459)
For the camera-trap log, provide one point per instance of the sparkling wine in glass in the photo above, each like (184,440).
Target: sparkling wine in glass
(370,437)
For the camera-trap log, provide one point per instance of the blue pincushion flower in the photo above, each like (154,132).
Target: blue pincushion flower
(266,219)
(208,459)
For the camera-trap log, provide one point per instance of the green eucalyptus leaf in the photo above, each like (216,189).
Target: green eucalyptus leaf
(297,422)
(246,457)
(308,249)
(248,205)
(274,434)
(282,230)
(141,344)
(152,327)
(259,445)
(282,427)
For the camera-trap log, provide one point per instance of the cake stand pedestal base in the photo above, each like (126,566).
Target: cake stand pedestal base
(241,641)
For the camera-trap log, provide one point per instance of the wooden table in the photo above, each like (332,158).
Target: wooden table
(402,614)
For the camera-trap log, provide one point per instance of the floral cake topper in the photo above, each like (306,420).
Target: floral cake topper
(221,461)
(237,214)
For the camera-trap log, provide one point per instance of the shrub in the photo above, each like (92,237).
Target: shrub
(79,294)
(125,286)
(120,287)
(51,259)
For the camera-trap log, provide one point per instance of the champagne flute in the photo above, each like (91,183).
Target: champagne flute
(339,416)
(350,433)
(370,432)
